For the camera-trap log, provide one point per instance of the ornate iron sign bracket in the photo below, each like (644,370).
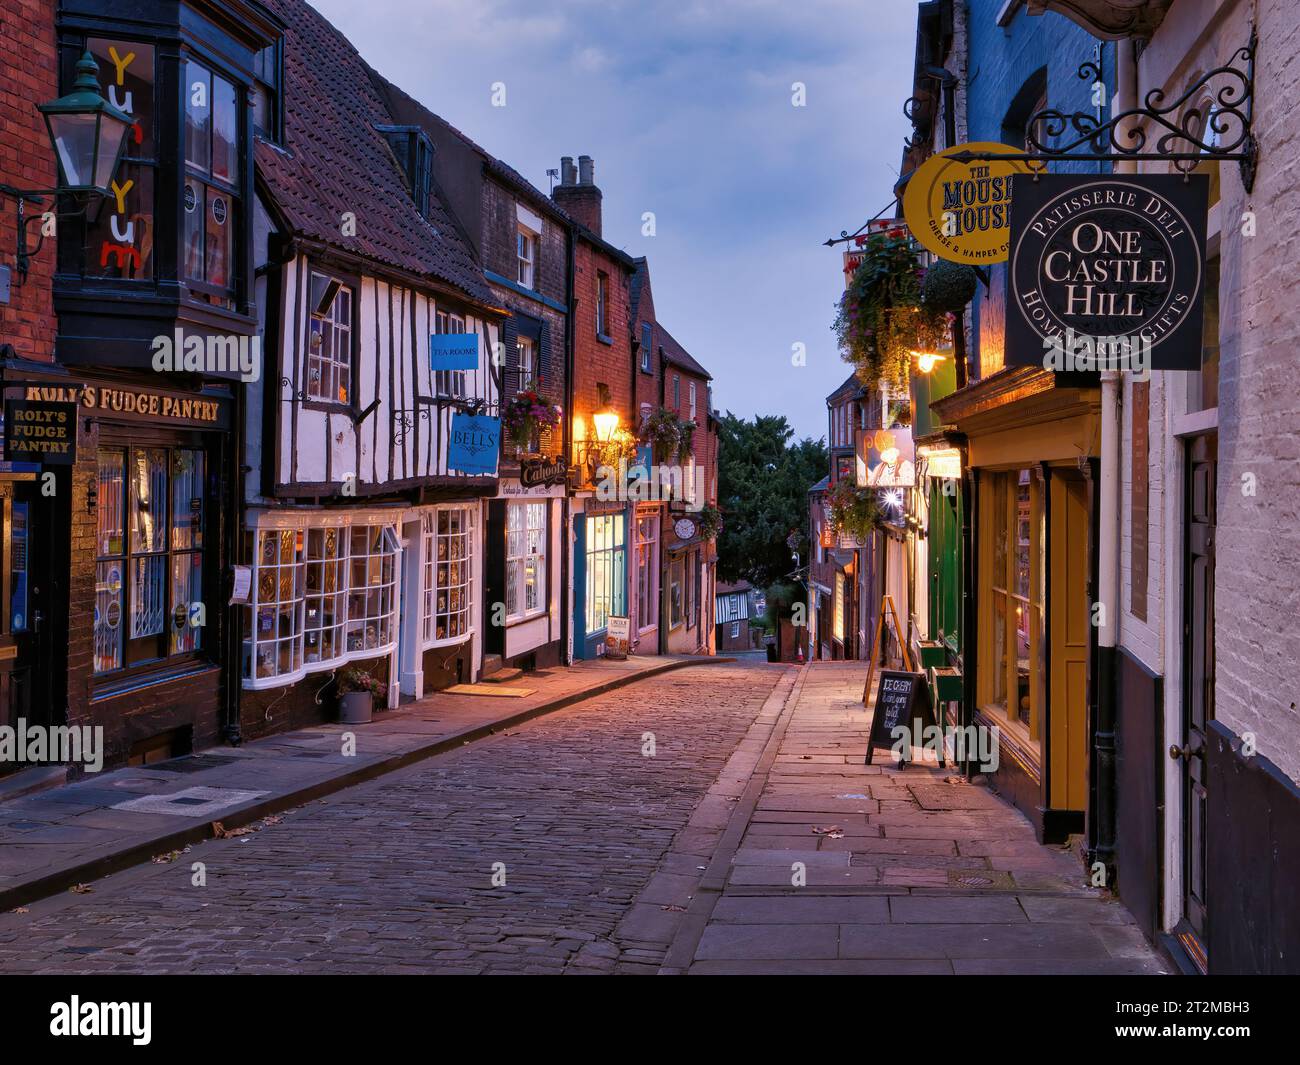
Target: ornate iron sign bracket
(1216,127)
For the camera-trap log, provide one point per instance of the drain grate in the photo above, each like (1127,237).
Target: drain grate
(974,881)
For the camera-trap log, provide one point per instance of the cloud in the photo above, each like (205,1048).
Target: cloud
(686,109)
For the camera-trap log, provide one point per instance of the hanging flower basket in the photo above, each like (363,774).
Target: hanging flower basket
(854,510)
(526,415)
(685,432)
(709,520)
(948,287)
(880,319)
(662,431)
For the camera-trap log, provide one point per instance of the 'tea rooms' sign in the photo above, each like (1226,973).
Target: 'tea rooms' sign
(1107,272)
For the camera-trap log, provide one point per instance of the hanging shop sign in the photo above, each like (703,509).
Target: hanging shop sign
(453,351)
(961,211)
(540,472)
(886,458)
(475,444)
(40,432)
(1107,272)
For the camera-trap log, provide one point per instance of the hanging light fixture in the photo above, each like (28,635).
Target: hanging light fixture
(88,135)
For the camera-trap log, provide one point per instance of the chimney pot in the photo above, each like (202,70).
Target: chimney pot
(586,170)
(568,172)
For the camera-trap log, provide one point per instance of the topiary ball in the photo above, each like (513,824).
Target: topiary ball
(948,287)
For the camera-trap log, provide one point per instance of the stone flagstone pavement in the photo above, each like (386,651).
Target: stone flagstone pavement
(908,870)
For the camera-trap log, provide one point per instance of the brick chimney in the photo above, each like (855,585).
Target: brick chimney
(577,192)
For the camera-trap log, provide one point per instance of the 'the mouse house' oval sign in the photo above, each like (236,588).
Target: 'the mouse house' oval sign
(1107,266)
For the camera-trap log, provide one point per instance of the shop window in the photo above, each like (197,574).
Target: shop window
(647,571)
(837,625)
(676,592)
(606,569)
(449,383)
(212,178)
(448,579)
(322,594)
(525,560)
(692,579)
(119,237)
(148,556)
(325,584)
(329,340)
(1016,569)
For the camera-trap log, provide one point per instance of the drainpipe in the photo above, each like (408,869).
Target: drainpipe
(566,515)
(1101,815)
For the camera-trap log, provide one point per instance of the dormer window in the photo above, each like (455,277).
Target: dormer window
(268,115)
(414,154)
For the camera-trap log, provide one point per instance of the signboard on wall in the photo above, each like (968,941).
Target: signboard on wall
(886,458)
(475,444)
(961,211)
(453,351)
(40,432)
(1107,272)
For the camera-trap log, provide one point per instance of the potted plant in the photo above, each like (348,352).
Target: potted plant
(525,415)
(661,430)
(881,318)
(358,690)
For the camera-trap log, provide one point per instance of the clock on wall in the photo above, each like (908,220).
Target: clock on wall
(684,528)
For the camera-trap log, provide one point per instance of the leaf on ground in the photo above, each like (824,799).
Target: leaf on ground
(81,889)
(163,859)
(674,908)
(220,831)
(20,909)
(271,819)
(829,831)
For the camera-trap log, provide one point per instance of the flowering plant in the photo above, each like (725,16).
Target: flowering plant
(854,510)
(709,519)
(662,430)
(528,412)
(359,680)
(881,319)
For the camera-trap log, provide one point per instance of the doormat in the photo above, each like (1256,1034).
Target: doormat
(489,689)
(191,802)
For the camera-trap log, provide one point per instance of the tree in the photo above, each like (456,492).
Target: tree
(763,482)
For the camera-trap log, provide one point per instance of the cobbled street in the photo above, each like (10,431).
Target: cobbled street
(397,875)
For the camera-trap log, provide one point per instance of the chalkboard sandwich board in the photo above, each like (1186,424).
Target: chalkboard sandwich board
(902,698)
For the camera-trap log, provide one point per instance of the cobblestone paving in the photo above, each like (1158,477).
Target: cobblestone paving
(396,875)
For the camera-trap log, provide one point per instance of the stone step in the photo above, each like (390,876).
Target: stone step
(503,676)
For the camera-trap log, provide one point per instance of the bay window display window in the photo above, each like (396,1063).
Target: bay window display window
(447,585)
(321,594)
(148,555)
(606,569)
(526,531)
(647,571)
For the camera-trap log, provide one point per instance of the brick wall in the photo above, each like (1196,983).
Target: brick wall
(1257,593)
(595,360)
(28,76)
(500,225)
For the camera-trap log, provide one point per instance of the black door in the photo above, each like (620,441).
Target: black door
(1198,687)
(25,670)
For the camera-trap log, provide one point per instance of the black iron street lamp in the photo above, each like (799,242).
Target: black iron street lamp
(89,136)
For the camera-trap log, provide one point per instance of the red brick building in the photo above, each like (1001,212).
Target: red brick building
(602,383)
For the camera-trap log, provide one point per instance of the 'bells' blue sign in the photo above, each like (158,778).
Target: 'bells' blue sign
(475,444)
